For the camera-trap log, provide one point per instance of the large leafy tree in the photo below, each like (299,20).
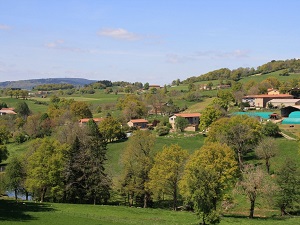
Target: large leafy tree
(167,171)
(44,168)
(15,176)
(111,129)
(23,109)
(288,180)
(132,107)
(210,114)
(241,133)
(137,161)
(181,123)
(208,173)
(81,110)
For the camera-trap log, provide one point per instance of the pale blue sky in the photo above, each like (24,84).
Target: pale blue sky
(153,41)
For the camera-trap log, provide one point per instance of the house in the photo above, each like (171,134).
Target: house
(192,118)
(138,123)
(85,120)
(272,91)
(5,111)
(279,103)
(156,86)
(260,101)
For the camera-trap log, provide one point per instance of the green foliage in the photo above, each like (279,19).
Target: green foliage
(81,110)
(209,115)
(111,129)
(3,153)
(51,87)
(22,109)
(15,176)
(181,123)
(162,130)
(241,133)
(137,160)
(44,168)
(270,129)
(4,134)
(288,179)
(166,172)
(208,173)
(132,107)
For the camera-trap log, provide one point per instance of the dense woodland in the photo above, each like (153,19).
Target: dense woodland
(67,162)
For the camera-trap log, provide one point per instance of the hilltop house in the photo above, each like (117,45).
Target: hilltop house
(192,118)
(5,111)
(85,120)
(260,101)
(138,123)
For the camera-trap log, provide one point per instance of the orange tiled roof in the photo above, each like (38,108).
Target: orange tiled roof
(268,96)
(139,121)
(188,114)
(85,120)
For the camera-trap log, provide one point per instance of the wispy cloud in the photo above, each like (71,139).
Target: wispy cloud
(176,59)
(223,55)
(4,27)
(119,33)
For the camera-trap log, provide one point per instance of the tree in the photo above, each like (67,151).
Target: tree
(111,129)
(23,109)
(181,123)
(241,133)
(15,176)
(167,170)
(209,115)
(4,134)
(137,162)
(270,129)
(265,150)
(288,179)
(207,174)
(253,184)
(81,110)
(88,180)
(146,86)
(3,153)
(132,107)
(44,167)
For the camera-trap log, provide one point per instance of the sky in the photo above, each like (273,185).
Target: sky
(154,41)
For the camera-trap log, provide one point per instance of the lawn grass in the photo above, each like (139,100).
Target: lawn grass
(12,213)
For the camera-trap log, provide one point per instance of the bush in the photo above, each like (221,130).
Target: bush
(162,130)
(271,129)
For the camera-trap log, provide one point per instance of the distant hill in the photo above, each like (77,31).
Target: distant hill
(29,84)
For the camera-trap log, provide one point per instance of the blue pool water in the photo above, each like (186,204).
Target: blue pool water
(264,115)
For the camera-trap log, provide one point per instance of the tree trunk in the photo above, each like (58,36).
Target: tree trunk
(282,210)
(175,198)
(26,194)
(268,166)
(146,198)
(252,209)
(44,189)
(240,160)
(16,194)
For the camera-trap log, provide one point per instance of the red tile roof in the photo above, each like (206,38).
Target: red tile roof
(85,120)
(139,121)
(269,96)
(188,114)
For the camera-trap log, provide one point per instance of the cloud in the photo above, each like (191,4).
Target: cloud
(55,44)
(223,55)
(4,27)
(176,59)
(119,33)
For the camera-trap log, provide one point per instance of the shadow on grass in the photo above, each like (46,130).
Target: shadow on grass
(271,218)
(18,211)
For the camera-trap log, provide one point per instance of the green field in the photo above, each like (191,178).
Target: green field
(12,213)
